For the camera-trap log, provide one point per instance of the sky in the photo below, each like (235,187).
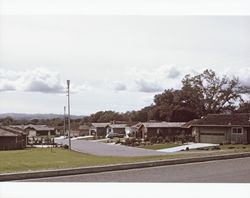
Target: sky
(114,61)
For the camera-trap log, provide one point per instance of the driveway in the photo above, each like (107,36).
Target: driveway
(189,146)
(103,149)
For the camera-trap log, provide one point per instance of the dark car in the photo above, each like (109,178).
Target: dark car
(112,135)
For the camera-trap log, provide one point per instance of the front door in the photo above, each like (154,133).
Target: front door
(248,135)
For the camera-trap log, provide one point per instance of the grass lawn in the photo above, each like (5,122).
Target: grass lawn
(236,147)
(43,158)
(159,146)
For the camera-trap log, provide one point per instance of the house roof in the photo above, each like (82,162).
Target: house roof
(39,127)
(159,124)
(10,132)
(100,124)
(237,119)
(117,126)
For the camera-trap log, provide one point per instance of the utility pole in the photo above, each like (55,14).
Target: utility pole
(64,122)
(68,85)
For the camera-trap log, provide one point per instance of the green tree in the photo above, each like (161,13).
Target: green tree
(212,94)
(7,121)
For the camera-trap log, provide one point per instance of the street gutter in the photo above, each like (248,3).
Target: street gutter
(105,168)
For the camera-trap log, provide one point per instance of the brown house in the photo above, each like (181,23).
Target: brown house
(39,130)
(12,138)
(160,129)
(222,128)
(98,129)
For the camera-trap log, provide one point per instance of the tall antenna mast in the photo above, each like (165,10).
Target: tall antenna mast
(68,85)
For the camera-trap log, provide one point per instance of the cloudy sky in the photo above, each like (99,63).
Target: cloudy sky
(114,61)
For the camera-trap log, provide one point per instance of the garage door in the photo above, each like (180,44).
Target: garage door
(217,139)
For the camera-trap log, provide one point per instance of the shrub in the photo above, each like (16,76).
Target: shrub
(153,140)
(118,141)
(160,139)
(139,141)
(65,146)
(146,139)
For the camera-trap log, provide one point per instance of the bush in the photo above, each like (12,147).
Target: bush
(160,139)
(118,141)
(153,140)
(146,139)
(130,141)
(65,146)
(139,141)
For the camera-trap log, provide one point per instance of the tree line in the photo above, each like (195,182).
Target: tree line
(198,96)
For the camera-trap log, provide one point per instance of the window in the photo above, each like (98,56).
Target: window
(237,131)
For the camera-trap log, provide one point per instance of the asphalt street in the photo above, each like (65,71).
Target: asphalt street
(103,149)
(226,171)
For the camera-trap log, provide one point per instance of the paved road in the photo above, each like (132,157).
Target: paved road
(233,170)
(103,149)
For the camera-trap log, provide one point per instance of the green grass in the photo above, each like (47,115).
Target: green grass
(238,147)
(43,158)
(159,146)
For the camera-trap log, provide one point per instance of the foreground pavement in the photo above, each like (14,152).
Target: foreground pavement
(103,149)
(225,171)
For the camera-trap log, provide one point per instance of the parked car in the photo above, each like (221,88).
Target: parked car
(112,135)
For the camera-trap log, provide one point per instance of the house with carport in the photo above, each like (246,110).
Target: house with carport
(116,129)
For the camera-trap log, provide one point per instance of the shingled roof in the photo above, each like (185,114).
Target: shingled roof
(10,132)
(160,124)
(39,127)
(117,126)
(100,124)
(237,119)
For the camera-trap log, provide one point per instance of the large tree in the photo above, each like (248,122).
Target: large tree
(200,94)
(213,94)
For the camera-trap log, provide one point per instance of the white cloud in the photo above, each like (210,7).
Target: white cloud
(242,73)
(118,86)
(173,73)
(147,86)
(244,76)
(158,78)
(36,80)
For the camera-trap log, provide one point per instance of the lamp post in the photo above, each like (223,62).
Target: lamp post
(68,85)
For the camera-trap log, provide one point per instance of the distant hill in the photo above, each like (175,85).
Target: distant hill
(24,116)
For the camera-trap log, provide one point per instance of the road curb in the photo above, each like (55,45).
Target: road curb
(96,169)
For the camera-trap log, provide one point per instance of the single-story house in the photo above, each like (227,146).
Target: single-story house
(12,138)
(98,129)
(116,128)
(222,128)
(38,134)
(39,130)
(165,130)
(84,130)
